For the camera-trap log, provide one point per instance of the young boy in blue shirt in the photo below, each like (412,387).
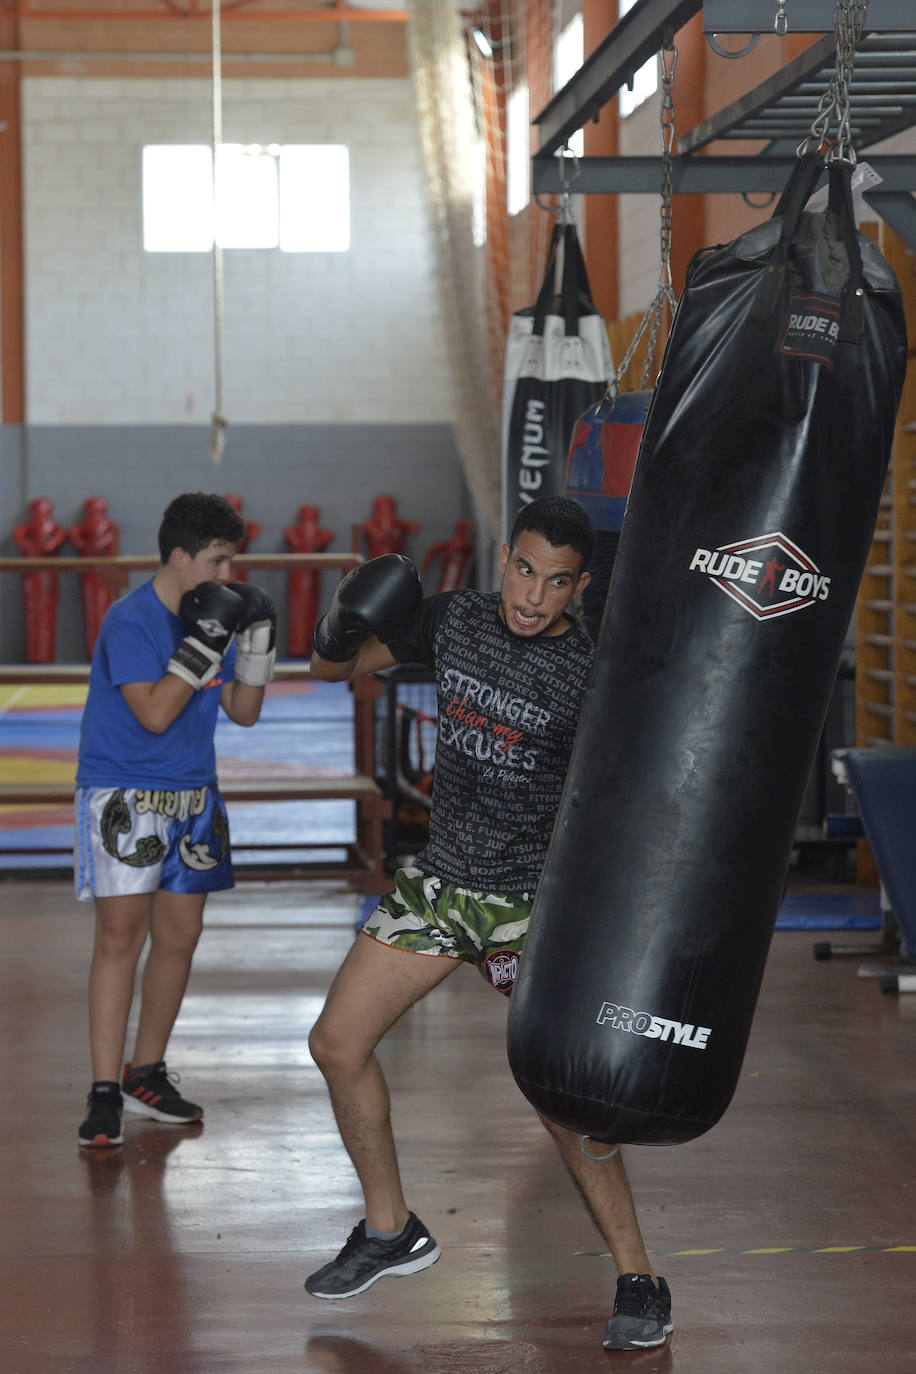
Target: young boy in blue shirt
(152,836)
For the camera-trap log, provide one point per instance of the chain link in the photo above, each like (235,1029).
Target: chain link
(664,290)
(834,106)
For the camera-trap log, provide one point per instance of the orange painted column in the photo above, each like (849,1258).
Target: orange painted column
(12,330)
(493,102)
(600,211)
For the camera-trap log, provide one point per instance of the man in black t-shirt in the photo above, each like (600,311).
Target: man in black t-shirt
(511,669)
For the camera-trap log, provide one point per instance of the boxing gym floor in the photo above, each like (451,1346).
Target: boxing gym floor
(787,1233)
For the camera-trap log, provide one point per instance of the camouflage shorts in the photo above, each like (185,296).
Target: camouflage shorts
(429,916)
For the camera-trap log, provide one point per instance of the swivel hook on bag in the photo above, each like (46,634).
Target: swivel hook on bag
(563,207)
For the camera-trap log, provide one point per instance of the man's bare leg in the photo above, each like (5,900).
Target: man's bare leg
(374,986)
(603,1184)
(641,1318)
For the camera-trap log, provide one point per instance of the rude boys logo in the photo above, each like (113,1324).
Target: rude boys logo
(768,576)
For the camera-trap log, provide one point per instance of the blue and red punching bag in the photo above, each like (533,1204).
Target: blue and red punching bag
(599,473)
(747,529)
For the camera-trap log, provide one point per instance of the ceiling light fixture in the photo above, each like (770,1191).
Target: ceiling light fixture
(483,42)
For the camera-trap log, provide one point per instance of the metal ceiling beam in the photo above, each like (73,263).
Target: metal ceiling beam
(898,209)
(796,71)
(882,96)
(805,16)
(632,41)
(698,175)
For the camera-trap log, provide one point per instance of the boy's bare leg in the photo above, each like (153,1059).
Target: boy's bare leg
(175,926)
(374,986)
(605,1189)
(121,926)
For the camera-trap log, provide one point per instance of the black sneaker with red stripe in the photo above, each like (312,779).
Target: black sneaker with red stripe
(149,1090)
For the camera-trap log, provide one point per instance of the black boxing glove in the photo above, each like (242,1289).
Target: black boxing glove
(211,613)
(373,599)
(256,636)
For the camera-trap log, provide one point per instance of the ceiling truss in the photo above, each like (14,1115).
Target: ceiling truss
(777,113)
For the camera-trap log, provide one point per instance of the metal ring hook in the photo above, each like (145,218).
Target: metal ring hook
(713,40)
(769,197)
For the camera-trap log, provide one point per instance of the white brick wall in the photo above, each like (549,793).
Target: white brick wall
(116,335)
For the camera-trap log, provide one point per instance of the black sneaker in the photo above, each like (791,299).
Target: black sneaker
(642,1314)
(103,1124)
(149,1090)
(365,1259)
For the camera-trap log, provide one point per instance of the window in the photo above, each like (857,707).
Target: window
(314,198)
(247,209)
(292,196)
(479,193)
(568,56)
(645,81)
(518,151)
(177,199)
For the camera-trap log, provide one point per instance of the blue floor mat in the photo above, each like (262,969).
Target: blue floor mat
(307,724)
(859,909)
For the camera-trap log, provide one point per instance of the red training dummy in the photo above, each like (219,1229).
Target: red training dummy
(304,584)
(40,537)
(96,536)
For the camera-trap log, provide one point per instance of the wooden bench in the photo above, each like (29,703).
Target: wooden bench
(363,857)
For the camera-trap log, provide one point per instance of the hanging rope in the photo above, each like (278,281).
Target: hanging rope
(217,419)
(665,291)
(833,109)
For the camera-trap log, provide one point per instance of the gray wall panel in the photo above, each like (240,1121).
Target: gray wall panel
(274,468)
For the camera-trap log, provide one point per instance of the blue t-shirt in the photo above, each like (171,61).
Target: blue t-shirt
(137,638)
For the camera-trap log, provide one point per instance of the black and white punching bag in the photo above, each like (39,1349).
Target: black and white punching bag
(750,517)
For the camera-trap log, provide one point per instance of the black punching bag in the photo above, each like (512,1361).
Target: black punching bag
(748,525)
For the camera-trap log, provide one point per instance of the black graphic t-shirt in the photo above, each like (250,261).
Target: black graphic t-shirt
(508,708)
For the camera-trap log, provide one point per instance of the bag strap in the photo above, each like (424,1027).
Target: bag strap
(575,282)
(796,193)
(548,285)
(574,285)
(804,178)
(839,201)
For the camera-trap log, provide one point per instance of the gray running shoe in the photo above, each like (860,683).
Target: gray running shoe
(365,1259)
(642,1314)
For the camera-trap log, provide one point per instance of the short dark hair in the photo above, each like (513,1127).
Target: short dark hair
(194,519)
(558,520)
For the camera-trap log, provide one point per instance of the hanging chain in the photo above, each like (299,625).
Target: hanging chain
(669,62)
(848,24)
(664,291)
(834,106)
(781,23)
